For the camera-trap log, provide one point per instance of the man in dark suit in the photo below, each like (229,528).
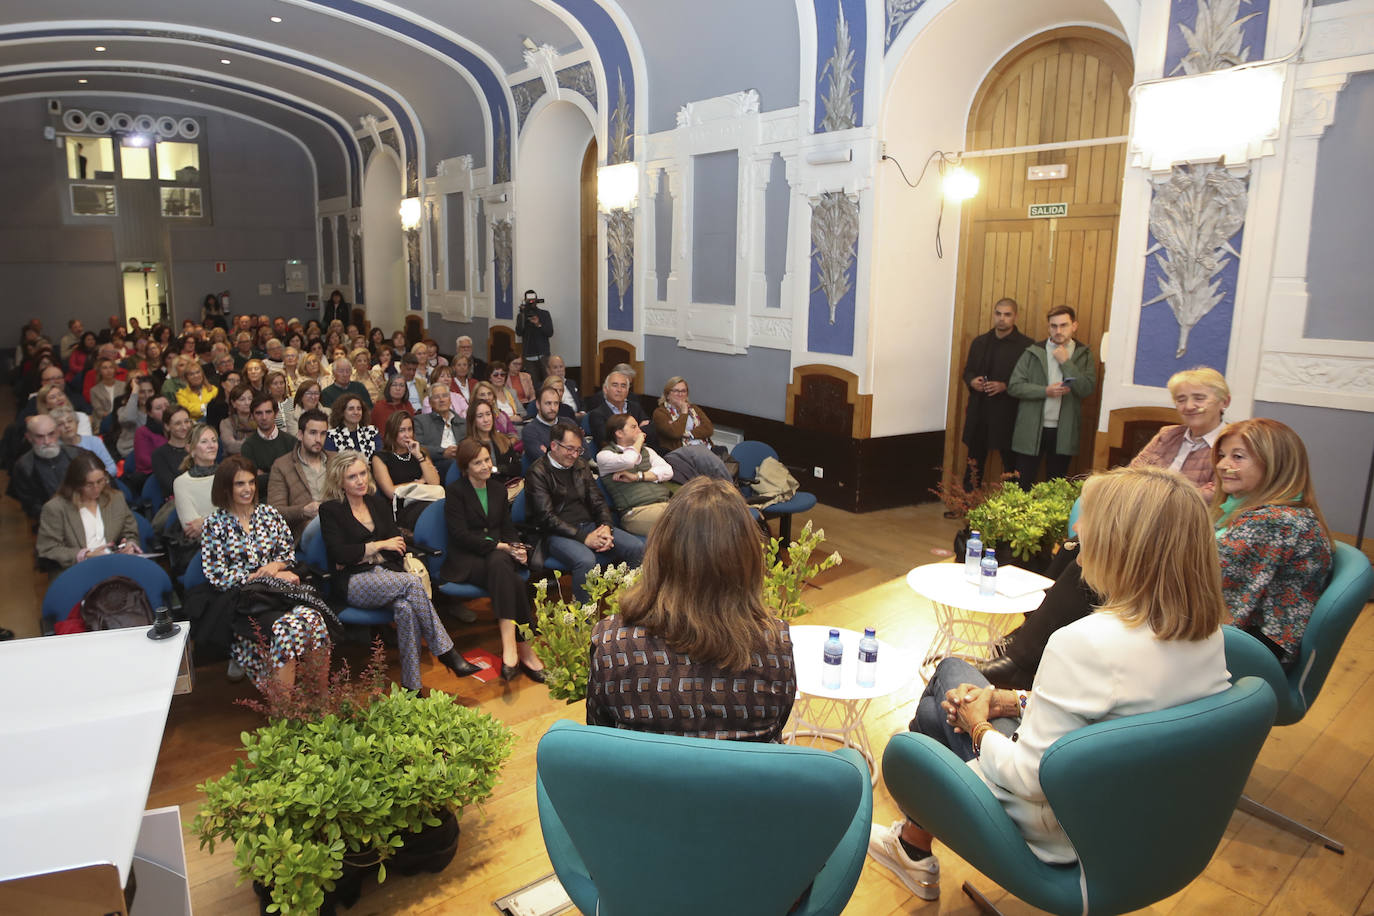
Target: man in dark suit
(38,472)
(441,430)
(991,410)
(616,393)
(463,347)
(535,327)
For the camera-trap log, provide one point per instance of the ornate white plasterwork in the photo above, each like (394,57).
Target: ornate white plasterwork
(734,105)
(1334,35)
(1314,105)
(660,321)
(1316,380)
(775,333)
(544,62)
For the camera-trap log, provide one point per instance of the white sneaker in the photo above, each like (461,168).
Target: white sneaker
(922,878)
(235,672)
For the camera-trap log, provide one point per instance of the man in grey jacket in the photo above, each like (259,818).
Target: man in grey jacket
(441,430)
(1050,381)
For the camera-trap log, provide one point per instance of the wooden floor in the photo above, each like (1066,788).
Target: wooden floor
(1319,769)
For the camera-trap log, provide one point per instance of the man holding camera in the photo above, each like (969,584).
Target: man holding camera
(535,327)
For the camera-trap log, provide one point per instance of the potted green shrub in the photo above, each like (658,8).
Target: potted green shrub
(564,628)
(1025,526)
(346,778)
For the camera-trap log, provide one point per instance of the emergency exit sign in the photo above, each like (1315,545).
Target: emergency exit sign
(1048,211)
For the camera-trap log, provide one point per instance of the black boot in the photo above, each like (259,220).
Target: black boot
(457,664)
(1004,673)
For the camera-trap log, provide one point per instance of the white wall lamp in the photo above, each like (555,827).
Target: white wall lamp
(617,186)
(410,213)
(1228,114)
(958,184)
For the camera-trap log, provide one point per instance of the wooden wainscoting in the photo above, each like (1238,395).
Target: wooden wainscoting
(1129,429)
(826,399)
(500,343)
(610,353)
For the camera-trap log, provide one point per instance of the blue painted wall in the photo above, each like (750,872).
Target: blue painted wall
(663,235)
(777,203)
(1340,272)
(446,332)
(1339,444)
(1184,12)
(754,383)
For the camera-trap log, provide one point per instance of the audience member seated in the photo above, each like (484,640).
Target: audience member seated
(39,472)
(219,409)
(361,361)
(564,411)
(238,426)
(616,392)
(51,397)
(86,517)
(402,460)
(537,433)
(416,386)
(557,367)
(519,380)
(565,506)
(461,384)
(195,393)
(678,423)
(347,431)
(1200,395)
(267,442)
(191,489)
(635,477)
(1144,649)
(173,365)
(132,414)
(79,356)
(65,418)
(295,484)
(440,430)
(485,391)
(49,376)
(307,397)
(507,400)
(247,552)
(484,550)
(504,451)
(167,459)
(343,384)
(312,368)
(148,438)
(106,390)
(463,347)
(1274,544)
(366,549)
(393,399)
(276,389)
(694,651)
(69,340)
(255,375)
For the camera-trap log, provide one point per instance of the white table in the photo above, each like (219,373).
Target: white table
(838,715)
(80,739)
(967,624)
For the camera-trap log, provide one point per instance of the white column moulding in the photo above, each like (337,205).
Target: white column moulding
(451,176)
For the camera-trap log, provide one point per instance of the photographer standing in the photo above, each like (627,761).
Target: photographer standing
(535,327)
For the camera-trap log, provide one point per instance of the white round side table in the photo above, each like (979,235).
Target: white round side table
(967,624)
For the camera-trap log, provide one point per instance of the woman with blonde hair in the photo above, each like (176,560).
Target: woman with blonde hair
(1200,396)
(290,368)
(693,632)
(255,374)
(1153,642)
(311,368)
(362,373)
(486,392)
(196,393)
(1274,543)
(677,420)
(366,549)
(51,397)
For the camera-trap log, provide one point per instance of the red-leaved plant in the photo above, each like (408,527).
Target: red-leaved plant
(320,689)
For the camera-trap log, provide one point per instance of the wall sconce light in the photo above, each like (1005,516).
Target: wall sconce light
(829,156)
(617,186)
(959,184)
(410,213)
(1226,114)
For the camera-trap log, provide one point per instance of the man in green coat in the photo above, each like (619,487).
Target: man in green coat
(1050,381)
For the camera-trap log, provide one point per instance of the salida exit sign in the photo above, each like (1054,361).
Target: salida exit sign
(1048,211)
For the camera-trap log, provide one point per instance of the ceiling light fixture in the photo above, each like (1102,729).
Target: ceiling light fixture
(81,81)
(100,47)
(224,60)
(275,18)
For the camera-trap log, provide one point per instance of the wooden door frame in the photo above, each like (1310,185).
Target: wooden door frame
(1116,54)
(587,235)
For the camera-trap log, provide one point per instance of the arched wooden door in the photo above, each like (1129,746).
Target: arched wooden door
(1068,84)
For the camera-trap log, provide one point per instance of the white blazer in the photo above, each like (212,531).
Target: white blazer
(1094,669)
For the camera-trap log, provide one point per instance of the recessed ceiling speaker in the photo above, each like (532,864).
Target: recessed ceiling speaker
(54,106)
(166,127)
(119,121)
(98,121)
(144,124)
(74,119)
(189,128)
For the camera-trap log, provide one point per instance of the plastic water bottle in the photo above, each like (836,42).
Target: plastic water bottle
(834,656)
(973,555)
(987,584)
(868,659)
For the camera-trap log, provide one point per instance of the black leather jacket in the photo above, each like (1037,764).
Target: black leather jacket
(548,495)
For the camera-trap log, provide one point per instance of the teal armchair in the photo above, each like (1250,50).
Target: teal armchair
(639,823)
(1340,604)
(1144,799)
